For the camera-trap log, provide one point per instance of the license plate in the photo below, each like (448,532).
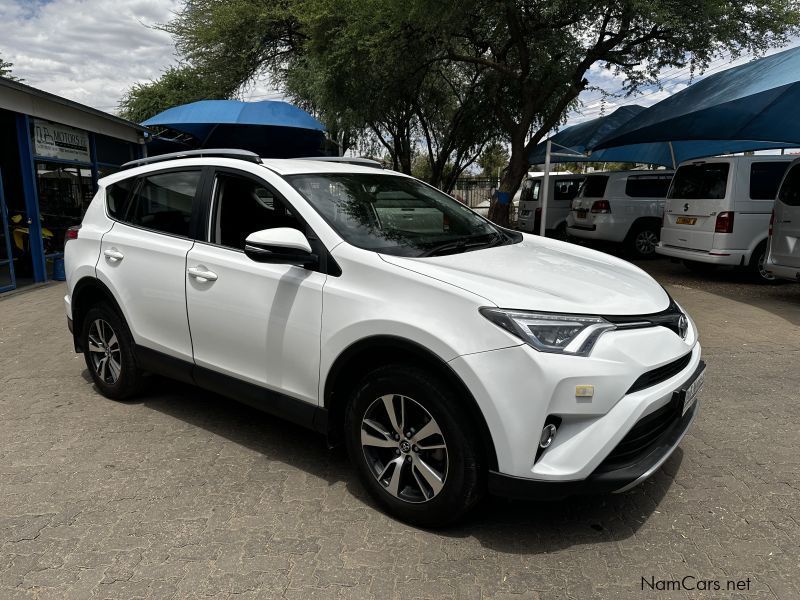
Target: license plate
(690,393)
(582,213)
(686,220)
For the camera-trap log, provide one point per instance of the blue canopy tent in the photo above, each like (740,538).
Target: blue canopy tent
(576,143)
(754,101)
(269,128)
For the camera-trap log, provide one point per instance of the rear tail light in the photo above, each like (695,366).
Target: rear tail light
(771,223)
(724,223)
(601,206)
(538,212)
(72,233)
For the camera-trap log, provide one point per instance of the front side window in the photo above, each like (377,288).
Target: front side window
(700,181)
(648,186)
(789,193)
(765,177)
(243,206)
(163,202)
(396,215)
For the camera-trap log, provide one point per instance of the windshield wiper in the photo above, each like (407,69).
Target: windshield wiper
(463,245)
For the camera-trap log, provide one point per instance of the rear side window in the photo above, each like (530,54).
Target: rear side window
(594,186)
(163,202)
(703,181)
(566,189)
(790,190)
(648,186)
(530,190)
(117,197)
(765,177)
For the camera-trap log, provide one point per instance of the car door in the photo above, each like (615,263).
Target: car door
(785,242)
(255,322)
(143,256)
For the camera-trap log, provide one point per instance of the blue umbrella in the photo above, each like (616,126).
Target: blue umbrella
(270,128)
(754,101)
(576,144)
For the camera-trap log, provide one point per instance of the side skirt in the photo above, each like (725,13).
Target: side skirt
(260,398)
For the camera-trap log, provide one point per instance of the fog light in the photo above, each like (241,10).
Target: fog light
(547,437)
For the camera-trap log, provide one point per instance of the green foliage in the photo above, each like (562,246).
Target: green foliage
(5,70)
(493,159)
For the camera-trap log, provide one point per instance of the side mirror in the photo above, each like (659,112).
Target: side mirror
(281,245)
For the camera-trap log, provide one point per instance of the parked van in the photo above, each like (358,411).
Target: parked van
(623,207)
(783,257)
(718,212)
(562,190)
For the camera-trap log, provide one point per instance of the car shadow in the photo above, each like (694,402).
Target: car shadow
(501,525)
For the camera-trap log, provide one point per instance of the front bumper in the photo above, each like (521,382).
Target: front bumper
(618,478)
(712,257)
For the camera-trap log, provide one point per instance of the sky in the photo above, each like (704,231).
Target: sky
(91,51)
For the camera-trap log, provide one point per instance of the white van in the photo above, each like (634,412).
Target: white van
(718,211)
(562,190)
(783,257)
(623,207)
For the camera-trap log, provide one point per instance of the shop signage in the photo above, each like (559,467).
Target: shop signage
(59,141)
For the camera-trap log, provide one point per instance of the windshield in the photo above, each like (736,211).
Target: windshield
(396,215)
(702,181)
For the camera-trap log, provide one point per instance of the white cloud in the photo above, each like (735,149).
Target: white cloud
(89,51)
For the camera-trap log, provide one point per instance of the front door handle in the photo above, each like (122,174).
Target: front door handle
(114,254)
(201,274)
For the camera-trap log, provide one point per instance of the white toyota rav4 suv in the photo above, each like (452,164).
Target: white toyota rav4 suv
(451,356)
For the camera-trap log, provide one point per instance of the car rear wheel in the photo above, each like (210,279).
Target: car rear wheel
(642,241)
(108,350)
(757,265)
(417,456)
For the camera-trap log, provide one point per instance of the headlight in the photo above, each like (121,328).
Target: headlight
(548,332)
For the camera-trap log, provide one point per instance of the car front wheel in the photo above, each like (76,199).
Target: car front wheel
(416,454)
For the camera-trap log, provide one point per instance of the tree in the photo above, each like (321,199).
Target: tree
(5,70)
(493,159)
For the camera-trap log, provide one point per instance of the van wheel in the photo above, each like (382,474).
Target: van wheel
(108,350)
(417,455)
(757,264)
(643,239)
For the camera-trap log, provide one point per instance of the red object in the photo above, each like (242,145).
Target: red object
(601,206)
(72,233)
(724,223)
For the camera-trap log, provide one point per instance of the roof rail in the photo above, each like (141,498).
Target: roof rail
(217,152)
(352,160)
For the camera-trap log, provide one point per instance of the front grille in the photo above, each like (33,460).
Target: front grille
(661,373)
(669,318)
(643,435)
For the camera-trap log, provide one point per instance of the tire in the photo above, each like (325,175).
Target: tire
(756,266)
(441,475)
(643,239)
(108,350)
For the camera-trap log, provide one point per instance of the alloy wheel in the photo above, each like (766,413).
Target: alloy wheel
(404,448)
(762,270)
(646,242)
(104,351)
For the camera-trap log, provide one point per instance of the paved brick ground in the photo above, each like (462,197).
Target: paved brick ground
(183,494)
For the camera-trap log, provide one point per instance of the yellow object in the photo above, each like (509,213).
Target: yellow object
(584,391)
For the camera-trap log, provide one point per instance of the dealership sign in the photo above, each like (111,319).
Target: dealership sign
(59,141)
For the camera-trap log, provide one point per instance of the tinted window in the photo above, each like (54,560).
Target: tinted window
(765,177)
(243,206)
(530,190)
(117,197)
(707,181)
(790,190)
(648,186)
(594,186)
(163,202)
(566,189)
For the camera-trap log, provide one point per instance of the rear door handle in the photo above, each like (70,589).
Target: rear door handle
(785,221)
(201,274)
(113,254)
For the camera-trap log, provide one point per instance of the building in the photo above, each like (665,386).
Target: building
(52,152)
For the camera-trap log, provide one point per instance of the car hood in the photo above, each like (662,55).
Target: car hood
(547,275)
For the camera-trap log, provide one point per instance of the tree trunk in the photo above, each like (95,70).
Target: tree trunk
(509,182)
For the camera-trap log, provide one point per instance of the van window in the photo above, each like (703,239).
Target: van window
(790,190)
(765,177)
(566,189)
(594,186)
(703,181)
(648,186)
